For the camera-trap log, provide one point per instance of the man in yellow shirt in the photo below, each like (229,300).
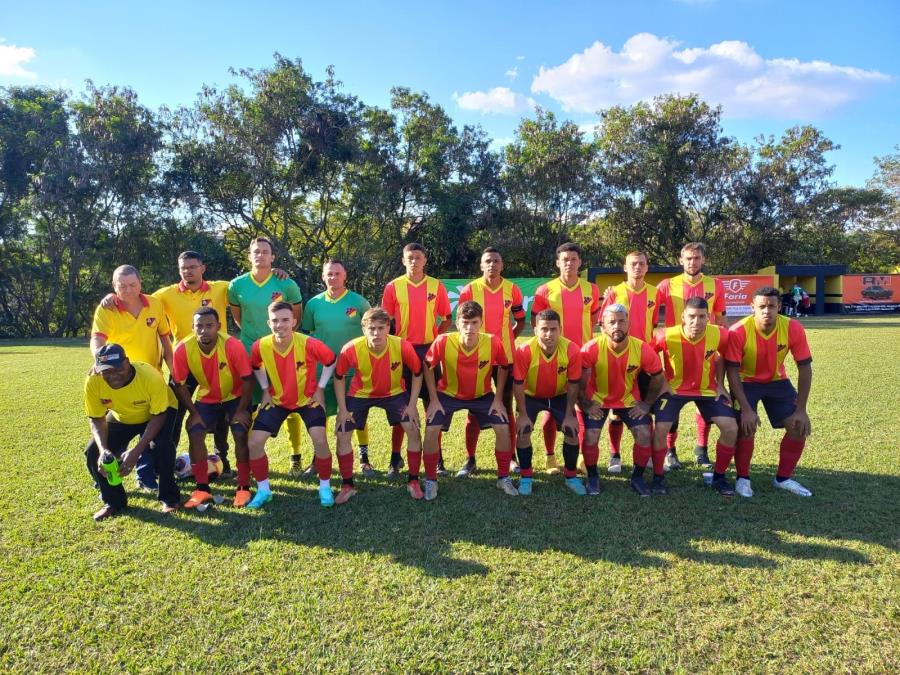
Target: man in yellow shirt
(125,400)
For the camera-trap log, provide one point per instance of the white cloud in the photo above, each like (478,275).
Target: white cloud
(512,73)
(498,101)
(520,58)
(730,73)
(13,60)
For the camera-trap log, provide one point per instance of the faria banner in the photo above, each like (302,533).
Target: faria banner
(739,290)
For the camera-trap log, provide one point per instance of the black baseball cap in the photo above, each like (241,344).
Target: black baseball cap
(109,356)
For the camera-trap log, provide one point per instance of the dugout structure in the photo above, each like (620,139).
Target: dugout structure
(821,282)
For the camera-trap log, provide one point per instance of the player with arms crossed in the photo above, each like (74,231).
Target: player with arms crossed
(546,371)
(611,364)
(466,360)
(504,317)
(284,364)
(220,367)
(693,356)
(577,302)
(377,361)
(757,348)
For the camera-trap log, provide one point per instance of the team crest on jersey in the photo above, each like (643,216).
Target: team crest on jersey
(151,320)
(709,353)
(223,365)
(587,301)
(561,369)
(507,304)
(205,302)
(650,304)
(106,401)
(431,297)
(299,365)
(781,347)
(395,365)
(351,312)
(632,368)
(482,364)
(708,295)
(276,296)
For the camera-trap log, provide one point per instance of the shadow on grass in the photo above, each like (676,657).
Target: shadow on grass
(692,523)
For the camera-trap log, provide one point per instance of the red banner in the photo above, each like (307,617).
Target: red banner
(871,292)
(739,291)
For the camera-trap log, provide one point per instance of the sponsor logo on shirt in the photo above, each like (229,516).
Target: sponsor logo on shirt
(632,368)
(561,369)
(395,365)
(650,304)
(482,364)
(431,297)
(151,320)
(300,364)
(708,295)
(351,312)
(709,353)
(587,301)
(780,347)
(140,402)
(223,365)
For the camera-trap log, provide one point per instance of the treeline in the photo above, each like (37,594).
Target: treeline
(91,182)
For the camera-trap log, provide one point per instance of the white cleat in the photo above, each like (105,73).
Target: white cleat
(742,487)
(792,486)
(615,465)
(507,486)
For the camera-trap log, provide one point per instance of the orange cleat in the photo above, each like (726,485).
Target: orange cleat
(241,499)
(197,498)
(347,491)
(415,490)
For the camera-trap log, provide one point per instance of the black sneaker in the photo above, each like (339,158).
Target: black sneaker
(723,487)
(672,462)
(639,486)
(702,456)
(658,487)
(593,485)
(442,470)
(395,469)
(467,469)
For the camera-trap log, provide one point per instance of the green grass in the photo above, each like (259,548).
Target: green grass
(475,581)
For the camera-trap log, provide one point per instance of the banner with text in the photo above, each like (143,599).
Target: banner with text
(871,292)
(739,291)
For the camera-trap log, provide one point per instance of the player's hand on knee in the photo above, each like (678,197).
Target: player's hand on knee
(749,423)
(434,408)
(523,424)
(498,409)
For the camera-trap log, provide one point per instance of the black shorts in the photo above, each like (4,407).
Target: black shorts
(668,407)
(479,408)
(556,406)
(359,407)
(779,399)
(421,350)
(271,417)
(622,413)
(212,413)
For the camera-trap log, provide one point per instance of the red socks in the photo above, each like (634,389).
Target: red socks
(591,454)
(550,435)
(788,456)
(323,467)
(345,464)
(640,454)
(397,434)
(503,460)
(431,465)
(243,474)
(743,453)
(702,431)
(414,459)
(671,439)
(473,431)
(201,472)
(260,468)
(724,454)
(615,437)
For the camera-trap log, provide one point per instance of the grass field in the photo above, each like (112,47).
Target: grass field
(475,581)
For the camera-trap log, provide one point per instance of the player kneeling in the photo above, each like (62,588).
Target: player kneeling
(466,360)
(221,368)
(285,366)
(547,370)
(611,364)
(377,359)
(757,347)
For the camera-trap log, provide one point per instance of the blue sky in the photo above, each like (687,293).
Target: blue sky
(771,64)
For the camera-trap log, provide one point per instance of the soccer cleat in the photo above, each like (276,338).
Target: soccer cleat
(197,498)
(260,499)
(593,485)
(168,508)
(507,486)
(615,464)
(106,512)
(296,470)
(394,469)
(467,469)
(672,463)
(792,486)
(148,486)
(347,491)
(639,486)
(552,466)
(442,470)
(309,471)
(658,486)
(525,484)
(430,490)
(326,496)
(367,470)
(241,499)
(742,487)
(723,487)
(575,485)
(702,456)
(415,490)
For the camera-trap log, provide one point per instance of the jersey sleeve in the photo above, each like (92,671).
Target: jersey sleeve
(255,356)
(719,305)
(723,341)
(517,310)
(237,357)
(101,326)
(498,354)
(292,292)
(588,354)
(162,325)
(308,324)
(389,300)
(465,294)
(435,352)
(610,299)
(346,361)
(159,393)
(663,297)
(650,362)
(442,306)
(92,404)
(180,368)
(575,363)
(521,362)
(539,303)
(233,296)
(595,299)
(737,338)
(321,351)
(410,358)
(655,309)
(798,345)
(658,341)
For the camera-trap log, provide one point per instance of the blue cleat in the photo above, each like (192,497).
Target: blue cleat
(525,485)
(326,496)
(576,486)
(261,498)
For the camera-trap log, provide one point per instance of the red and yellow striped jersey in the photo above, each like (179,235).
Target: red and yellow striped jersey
(642,305)
(547,376)
(466,374)
(377,375)
(501,305)
(761,356)
(613,378)
(292,372)
(416,308)
(219,374)
(671,294)
(691,365)
(576,306)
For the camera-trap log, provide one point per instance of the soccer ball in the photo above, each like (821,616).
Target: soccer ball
(214,462)
(183,466)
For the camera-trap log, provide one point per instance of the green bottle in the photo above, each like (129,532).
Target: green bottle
(111,466)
